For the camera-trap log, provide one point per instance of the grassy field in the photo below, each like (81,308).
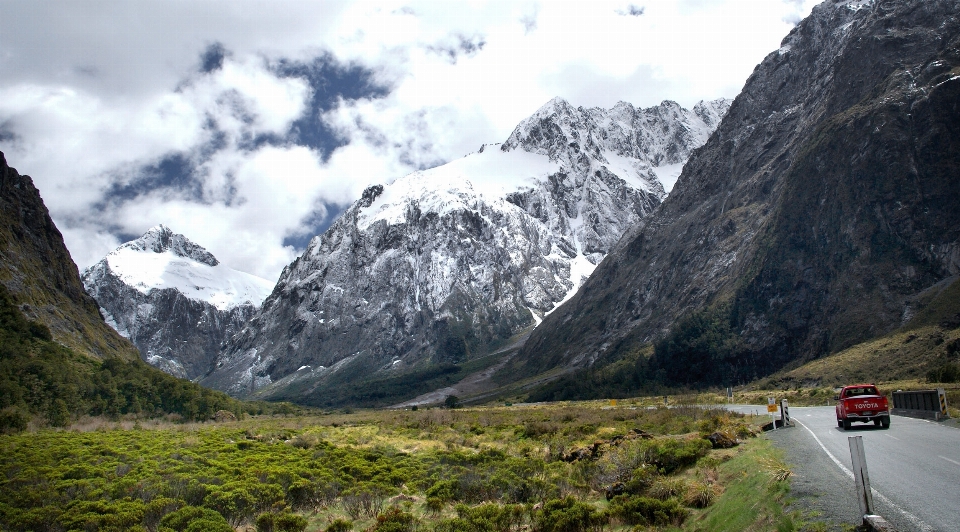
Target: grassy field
(563,467)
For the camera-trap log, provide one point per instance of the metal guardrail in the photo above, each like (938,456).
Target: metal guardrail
(927,404)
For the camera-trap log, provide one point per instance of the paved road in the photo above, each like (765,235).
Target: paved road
(914,468)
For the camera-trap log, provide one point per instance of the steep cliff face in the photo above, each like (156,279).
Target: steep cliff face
(173,300)
(39,274)
(823,204)
(443,265)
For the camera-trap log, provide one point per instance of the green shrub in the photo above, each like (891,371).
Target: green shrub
(157,509)
(568,515)
(434,505)
(641,479)
(365,499)
(647,511)
(280,522)
(948,372)
(453,525)
(394,520)
(670,454)
(444,490)
(340,525)
(491,517)
(119,516)
(195,519)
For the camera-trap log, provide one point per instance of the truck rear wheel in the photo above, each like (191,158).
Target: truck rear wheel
(846,424)
(885,422)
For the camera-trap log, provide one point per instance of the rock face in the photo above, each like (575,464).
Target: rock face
(443,265)
(824,203)
(173,299)
(36,268)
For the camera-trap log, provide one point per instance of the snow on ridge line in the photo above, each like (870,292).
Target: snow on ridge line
(490,174)
(222,287)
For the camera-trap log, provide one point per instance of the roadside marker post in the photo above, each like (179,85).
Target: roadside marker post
(864,496)
(772,409)
(784,413)
(942,395)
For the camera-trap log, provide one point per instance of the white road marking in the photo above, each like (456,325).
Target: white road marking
(912,518)
(949,460)
(894,437)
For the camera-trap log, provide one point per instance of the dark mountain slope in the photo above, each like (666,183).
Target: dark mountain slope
(40,276)
(823,204)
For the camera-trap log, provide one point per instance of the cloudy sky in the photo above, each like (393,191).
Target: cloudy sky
(249,125)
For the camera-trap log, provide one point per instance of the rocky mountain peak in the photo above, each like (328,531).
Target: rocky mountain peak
(652,137)
(815,217)
(161,239)
(443,265)
(173,299)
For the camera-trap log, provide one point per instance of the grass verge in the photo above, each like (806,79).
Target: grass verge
(756,493)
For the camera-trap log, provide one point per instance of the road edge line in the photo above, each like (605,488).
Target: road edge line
(909,516)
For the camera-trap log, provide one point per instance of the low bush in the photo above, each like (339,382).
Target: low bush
(647,511)
(568,515)
(280,522)
(394,520)
(671,454)
(194,519)
(491,517)
(340,525)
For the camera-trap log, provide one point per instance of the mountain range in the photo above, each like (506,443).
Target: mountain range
(699,247)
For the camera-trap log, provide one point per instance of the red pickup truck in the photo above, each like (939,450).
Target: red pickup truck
(862,402)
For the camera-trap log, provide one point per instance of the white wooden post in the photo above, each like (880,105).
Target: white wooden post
(864,495)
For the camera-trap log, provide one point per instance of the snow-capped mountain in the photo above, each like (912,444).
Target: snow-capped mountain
(173,299)
(444,264)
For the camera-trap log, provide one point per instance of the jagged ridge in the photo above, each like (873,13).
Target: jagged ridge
(821,206)
(173,299)
(442,265)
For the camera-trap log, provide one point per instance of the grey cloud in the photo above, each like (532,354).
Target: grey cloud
(455,46)
(631,11)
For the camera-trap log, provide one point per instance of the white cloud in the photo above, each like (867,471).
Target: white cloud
(95,92)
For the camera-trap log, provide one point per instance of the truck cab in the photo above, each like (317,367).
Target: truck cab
(862,403)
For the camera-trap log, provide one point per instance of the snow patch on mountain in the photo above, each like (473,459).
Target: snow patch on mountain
(157,261)
(441,265)
(173,299)
(488,175)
